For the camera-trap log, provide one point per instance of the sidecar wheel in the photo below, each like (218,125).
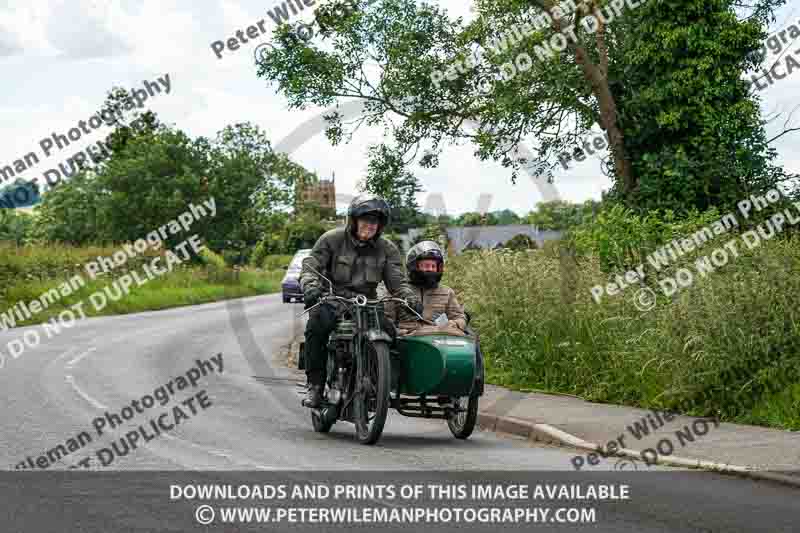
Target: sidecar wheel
(463,423)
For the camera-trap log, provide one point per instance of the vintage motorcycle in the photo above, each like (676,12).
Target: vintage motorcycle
(430,376)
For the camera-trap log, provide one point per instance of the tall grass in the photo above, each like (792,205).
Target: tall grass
(728,345)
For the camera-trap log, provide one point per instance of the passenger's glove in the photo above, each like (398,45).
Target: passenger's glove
(311,296)
(417,306)
(388,326)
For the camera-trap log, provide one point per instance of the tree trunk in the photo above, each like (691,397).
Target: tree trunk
(608,120)
(597,77)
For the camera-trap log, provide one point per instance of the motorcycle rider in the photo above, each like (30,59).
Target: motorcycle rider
(425,265)
(355,258)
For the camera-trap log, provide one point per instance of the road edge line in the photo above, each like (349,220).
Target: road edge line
(552,435)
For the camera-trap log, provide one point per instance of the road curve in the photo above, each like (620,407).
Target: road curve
(254,422)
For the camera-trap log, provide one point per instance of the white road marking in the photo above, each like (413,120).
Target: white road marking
(220,454)
(81,356)
(63,355)
(97,405)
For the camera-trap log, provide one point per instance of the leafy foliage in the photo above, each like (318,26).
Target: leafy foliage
(155,172)
(435,233)
(694,134)
(15,227)
(520,242)
(561,215)
(73,212)
(663,80)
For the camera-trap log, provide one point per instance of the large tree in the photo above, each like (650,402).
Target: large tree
(154,172)
(388,177)
(665,66)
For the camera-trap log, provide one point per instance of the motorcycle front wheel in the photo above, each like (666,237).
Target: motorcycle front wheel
(371,399)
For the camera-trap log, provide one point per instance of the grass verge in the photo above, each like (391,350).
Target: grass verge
(727,346)
(35,271)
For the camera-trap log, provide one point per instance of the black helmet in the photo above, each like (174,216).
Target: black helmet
(425,250)
(368,203)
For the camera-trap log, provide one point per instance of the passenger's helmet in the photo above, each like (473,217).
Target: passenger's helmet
(425,250)
(364,204)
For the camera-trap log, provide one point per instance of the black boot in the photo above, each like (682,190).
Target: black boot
(313,397)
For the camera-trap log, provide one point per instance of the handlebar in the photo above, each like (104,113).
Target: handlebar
(360,300)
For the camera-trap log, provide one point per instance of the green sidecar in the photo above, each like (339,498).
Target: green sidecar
(438,376)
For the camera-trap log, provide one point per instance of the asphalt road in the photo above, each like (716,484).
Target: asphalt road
(252,421)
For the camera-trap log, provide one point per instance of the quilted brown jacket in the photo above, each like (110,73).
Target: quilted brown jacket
(435,302)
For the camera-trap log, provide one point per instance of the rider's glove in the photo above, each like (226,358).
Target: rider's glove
(311,296)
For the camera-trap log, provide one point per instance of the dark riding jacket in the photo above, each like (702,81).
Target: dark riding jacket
(355,267)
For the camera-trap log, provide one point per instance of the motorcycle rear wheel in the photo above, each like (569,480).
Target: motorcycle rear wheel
(371,401)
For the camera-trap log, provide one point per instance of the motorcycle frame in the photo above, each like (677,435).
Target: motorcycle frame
(363,334)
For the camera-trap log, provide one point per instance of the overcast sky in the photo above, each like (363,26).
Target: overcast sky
(60,57)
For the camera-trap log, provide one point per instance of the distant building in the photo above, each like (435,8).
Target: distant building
(486,237)
(322,193)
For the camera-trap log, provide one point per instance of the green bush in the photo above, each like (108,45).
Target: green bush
(435,233)
(520,242)
(16,227)
(622,239)
(276,262)
(235,257)
(212,259)
(258,254)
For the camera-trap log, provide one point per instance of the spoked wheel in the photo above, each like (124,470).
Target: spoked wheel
(463,421)
(371,400)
